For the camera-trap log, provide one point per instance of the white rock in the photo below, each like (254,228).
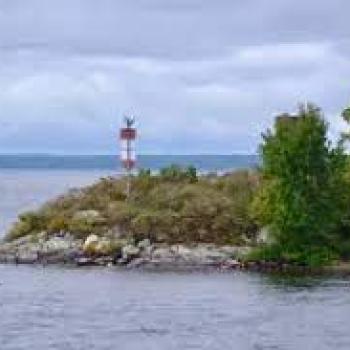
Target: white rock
(90,242)
(163,253)
(145,243)
(130,251)
(57,244)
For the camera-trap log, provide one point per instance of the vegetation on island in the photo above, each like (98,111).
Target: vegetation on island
(298,197)
(174,205)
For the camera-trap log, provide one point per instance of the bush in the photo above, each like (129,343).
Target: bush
(311,256)
(28,223)
(57,224)
(175,173)
(82,227)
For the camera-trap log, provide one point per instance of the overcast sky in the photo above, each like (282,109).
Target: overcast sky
(202,76)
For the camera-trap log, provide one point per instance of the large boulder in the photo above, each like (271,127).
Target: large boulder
(62,243)
(95,245)
(90,244)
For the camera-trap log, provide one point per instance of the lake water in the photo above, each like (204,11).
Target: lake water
(102,309)
(72,309)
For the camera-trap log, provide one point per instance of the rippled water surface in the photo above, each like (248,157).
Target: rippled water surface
(58,308)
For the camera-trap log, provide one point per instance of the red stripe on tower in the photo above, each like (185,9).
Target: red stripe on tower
(127,154)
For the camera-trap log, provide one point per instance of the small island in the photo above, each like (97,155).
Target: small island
(291,211)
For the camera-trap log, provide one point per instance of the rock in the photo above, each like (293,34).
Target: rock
(103,261)
(199,254)
(138,262)
(103,247)
(231,264)
(145,243)
(56,244)
(84,261)
(181,251)
(27,257)
(163,253)
(121,261)
(95,245)
(147,252)
(90,244)
(130,252)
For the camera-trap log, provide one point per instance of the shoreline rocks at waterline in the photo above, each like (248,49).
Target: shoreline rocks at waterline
(101,251)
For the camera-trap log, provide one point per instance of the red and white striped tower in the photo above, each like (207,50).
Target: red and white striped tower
(128,154)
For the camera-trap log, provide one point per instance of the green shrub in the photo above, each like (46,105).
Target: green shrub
(81,228)
(28,223)
(311,256)
(58,223)
(175,173)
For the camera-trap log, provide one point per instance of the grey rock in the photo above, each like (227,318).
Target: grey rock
(130,252)
(231,264)
(145,243)
(163,253)
(84,261)
(138,262)
(103,261)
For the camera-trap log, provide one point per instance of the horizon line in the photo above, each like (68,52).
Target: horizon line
(117,155)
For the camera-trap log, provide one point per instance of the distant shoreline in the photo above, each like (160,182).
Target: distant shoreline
(207,163)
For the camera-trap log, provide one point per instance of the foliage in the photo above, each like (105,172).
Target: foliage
(28,223)
(346,114)
(176,173)
(303,195)
(312,256)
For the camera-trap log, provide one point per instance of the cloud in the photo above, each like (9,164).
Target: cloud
(200,76)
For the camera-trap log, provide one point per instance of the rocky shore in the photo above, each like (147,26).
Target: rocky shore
(64,249)
(96,251)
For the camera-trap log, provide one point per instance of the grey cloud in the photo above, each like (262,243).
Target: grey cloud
(177,29)
(202,76)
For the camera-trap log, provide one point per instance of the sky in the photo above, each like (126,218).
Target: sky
(201,76)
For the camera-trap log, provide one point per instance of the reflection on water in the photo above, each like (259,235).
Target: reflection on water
(56,308)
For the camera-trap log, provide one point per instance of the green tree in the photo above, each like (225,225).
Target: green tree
(302,196)
(346,117)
